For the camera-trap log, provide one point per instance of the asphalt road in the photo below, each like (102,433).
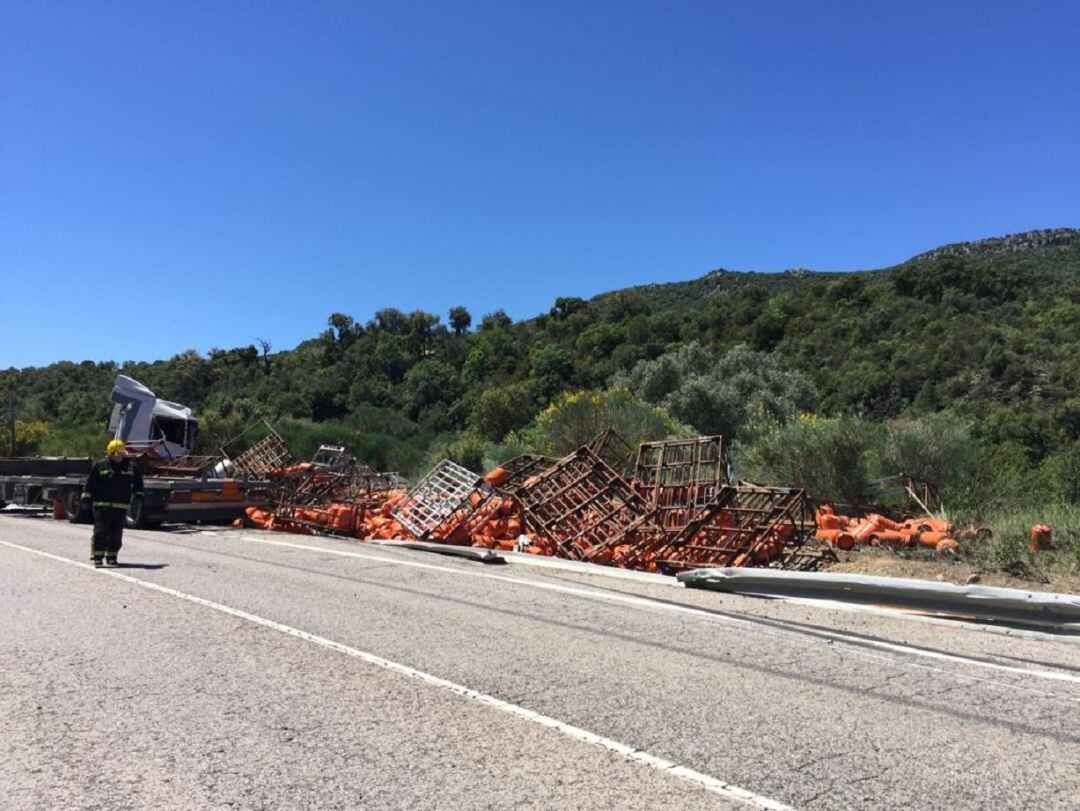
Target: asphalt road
(225,669)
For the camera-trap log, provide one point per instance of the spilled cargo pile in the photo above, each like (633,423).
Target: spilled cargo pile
(669,509)
(872,529)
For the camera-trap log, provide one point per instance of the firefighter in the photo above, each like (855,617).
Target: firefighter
(112,484)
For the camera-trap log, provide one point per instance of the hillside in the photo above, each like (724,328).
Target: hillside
(988,330)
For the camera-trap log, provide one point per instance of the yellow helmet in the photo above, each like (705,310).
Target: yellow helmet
(116,446)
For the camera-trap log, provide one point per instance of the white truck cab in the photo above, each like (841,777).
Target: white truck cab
(147,423)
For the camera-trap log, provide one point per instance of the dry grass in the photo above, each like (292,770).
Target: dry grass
(885,563)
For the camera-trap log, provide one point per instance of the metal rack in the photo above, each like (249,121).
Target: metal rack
(742,526)
(680,478)
(442,501)
(583,506)
(612,450)
(521,468)
(264,456)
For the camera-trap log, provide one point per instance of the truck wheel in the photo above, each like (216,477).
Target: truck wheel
(136,514)
(78,512)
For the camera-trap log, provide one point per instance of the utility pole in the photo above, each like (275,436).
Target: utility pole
(11,417)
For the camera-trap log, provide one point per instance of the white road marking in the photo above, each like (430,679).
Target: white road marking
(645,602)
(659,764)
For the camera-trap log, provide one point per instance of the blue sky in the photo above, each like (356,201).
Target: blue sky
(191,175)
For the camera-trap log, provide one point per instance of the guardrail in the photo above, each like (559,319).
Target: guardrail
(980,602)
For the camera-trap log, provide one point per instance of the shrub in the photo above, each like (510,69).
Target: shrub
(467,450)
(1061,473)
(829,458)
(576,417)
(73,440)
(937,450)
(28,437)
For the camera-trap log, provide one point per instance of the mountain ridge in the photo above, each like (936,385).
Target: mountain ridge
(1057,243)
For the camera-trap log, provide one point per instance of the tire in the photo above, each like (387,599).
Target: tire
(136,514)
(77,511)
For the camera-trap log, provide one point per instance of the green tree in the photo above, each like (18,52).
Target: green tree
(81,407)
(567,306)
(342,330)
(391,320)
(600,339)
(500,410)
(550,369)
(496,320)
(422,330)
(428,383)
(460,320)
(186,380)
(467,450)
(721,396)
(492,358)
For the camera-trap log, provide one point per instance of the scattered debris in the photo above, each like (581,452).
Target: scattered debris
(614,451)
(510,475)
(874,529)
(152,463)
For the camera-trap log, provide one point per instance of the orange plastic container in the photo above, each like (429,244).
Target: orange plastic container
(837,537)
(931,539)
(889,537)
(1041,538)
(497,476)
(825,518)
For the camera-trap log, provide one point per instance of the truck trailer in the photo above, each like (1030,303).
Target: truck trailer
(56,483)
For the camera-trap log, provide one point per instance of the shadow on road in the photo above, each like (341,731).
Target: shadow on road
(139,566)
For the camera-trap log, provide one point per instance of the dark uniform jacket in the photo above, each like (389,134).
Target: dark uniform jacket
(113,485)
